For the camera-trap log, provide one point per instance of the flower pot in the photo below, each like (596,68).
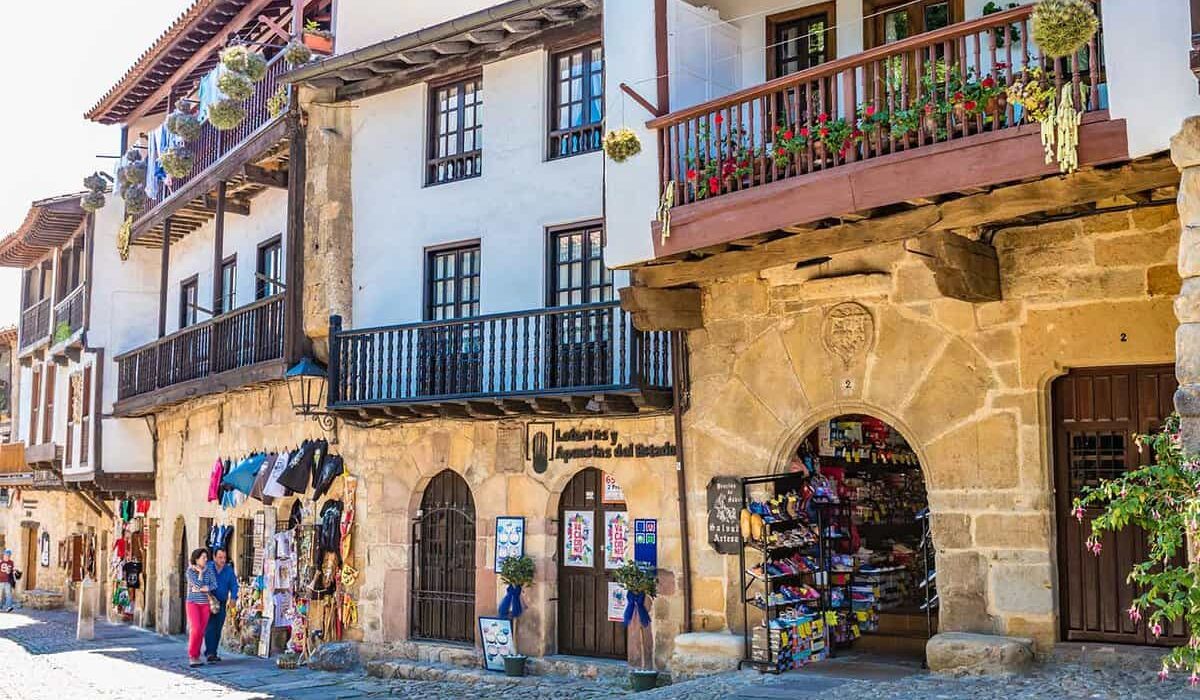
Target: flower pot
(319,43)
(643,680)
(515,665)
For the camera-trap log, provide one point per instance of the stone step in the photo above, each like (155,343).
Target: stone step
(1099,655)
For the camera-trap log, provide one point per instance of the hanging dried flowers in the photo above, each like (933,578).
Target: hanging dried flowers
(1062,27)
(622,144)
(234,85)
(226,114)
(177,161)
(124,237)
(240,59)
(278,102)
(184,124)
(1055,111)
(297,53)
(136,200)
(96,187)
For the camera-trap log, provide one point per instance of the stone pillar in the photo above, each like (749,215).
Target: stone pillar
(328,217)
(1185,152)
(85,626)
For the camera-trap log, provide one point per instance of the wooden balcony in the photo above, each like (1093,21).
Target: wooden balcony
(68,316)
(14,471)
(891,127)
(245,346)
(35,325)
(562,361)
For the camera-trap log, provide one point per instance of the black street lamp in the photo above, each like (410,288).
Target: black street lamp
(306,382)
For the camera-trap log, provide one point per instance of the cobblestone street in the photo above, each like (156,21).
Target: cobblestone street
(40,660)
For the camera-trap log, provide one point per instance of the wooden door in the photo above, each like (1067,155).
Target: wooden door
(583,625)
(443,584)
(31,558)
(181,566)
(1097,413)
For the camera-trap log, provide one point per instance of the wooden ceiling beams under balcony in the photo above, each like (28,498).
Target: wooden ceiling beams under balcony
(49,223)
(459,44)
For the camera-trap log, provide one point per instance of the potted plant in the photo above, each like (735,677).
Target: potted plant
(640,582)
(317,39)
(517,573)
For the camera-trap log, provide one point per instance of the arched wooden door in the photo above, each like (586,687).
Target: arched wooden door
(583,625)
(443,585)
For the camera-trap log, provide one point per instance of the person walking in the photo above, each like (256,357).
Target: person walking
(226,590)
(201,581)
(8,580)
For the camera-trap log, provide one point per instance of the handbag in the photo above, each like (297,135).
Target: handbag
(17,575)
(214,605)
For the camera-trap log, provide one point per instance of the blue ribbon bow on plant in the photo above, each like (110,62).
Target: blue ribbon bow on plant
(636,603)
(511,606)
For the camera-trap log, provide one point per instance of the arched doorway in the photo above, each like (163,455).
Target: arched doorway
(443,583)
(584,627)
(881,554)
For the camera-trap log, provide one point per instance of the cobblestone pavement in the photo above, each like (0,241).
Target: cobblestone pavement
(41,660)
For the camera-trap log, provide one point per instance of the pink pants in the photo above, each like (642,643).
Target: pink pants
(197,614)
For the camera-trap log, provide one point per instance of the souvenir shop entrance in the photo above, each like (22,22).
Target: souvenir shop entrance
(586,625)
(837,551)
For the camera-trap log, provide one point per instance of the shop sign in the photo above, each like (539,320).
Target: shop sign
(573,444)
(724,510)
(616,602)
(579,536)
(645,542)
(498,641)
(510,538)
(616,539)
(612,490)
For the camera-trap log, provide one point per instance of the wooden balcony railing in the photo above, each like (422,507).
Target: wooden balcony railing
(244,337)
(935,87)
(582,350)
(68,315)
(35,324)
(213,144)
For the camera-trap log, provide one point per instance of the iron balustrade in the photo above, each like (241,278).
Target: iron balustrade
(68,314)
(241,338)
(213,144)
(741,141)
(35,324)
(584,349)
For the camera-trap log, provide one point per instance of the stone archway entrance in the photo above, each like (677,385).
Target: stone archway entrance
(882,555)
(588,502)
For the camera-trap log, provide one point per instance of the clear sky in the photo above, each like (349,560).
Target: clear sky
(56,60)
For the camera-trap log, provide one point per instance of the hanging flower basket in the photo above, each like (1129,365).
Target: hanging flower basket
(92,201)
(297,53)
(183,124)
(622,144)
(235,86)
(134,172)
(241,59)
(95,183)
(178,162)
(317,39)
(226,114)
(136,200)
(1062,27)
(278,102)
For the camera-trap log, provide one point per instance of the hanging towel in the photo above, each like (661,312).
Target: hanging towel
(209,92)
(272,488)
(214,481)
(242,476)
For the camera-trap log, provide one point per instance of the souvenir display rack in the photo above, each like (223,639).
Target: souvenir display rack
(791,567)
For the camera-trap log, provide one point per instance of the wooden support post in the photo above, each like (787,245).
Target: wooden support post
(297,17)
(162,279)
(295,341)
(218,251)
(662,56)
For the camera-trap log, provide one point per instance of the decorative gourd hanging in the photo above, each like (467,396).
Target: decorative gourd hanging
(1062,27)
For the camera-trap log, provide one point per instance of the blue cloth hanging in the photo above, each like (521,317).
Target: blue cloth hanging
(636,603)
(511,606)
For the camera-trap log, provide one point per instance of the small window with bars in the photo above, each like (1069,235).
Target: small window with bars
(577,271)
(455,132)
(245,547)
(577,101)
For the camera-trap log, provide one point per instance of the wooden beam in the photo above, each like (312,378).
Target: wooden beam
(296,343)
(218,40)
(210,204)
(1000,205)
(963,269)
(663,309)
(268,177)
(164,264)
(218,249)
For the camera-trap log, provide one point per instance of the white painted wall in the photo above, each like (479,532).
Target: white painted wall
(194,254)
(508,208)
(25,402)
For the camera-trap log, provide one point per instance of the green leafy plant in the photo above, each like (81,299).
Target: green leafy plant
(1062,27)
(134,170)
(311,27)
(790,143)
(622,144)
(1162,498)
(136,199)
(92,201)
(234,85)
(278,102)
(517,571)
(184,124)
(637,578)
(62,331)
(240,59)
(226,114)
(727,160)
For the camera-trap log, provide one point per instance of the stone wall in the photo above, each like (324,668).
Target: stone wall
(967,385)
(60,514)
(393,465)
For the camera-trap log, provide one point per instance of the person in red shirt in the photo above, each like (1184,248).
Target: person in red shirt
(8,579)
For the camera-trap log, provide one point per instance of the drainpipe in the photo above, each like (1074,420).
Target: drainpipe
(681,473)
